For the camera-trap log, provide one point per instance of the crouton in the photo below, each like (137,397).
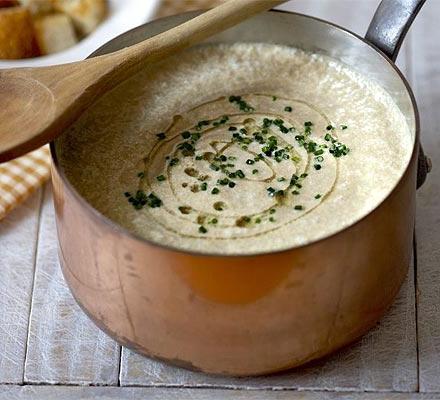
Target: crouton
(86,14)
(54,33)
(17,36)
(38,6)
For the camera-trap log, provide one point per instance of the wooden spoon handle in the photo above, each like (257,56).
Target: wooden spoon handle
(37,104)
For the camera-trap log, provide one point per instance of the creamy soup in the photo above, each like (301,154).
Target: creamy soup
(236,149)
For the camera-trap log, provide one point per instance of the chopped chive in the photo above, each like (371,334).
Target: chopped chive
(223,181)
(202,229)
(240,174)
(318,196)
(215,191)
(298,207)
(271,191)
(288,109)
(310,147)
(231,184)
(204,186)
(344,127)
(186,134)
(232,128)
(161,136)
(187,148)
(328,137)
(141,174)
(161,178)
(267,122)
(241,103)
(338,149)
(200,124)
(195,136)
(317,167)
(250,162)
(272,211)
(255,171)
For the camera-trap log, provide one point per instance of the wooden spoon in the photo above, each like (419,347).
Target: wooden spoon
(38,104)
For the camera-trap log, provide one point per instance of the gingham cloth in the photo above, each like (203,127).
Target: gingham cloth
(21,177)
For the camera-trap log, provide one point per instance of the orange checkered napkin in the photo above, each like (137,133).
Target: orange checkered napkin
(20,177)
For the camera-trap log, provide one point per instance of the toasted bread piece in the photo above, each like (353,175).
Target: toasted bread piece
(17,37)
(54,32)
(38,6)
(86,14)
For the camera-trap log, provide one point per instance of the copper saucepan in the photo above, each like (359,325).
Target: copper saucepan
(247,315)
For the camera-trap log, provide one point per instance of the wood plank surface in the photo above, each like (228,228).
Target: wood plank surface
(64,346)
(18,238)
(110,393)
(426,83)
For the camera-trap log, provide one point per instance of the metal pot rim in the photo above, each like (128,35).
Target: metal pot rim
(119,228)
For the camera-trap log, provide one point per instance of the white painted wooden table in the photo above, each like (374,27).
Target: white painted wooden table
(50,350)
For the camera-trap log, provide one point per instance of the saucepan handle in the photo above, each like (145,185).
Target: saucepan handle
(387,31)
(390,24)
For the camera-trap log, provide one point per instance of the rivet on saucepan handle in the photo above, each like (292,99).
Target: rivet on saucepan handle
(423,168)
(386,32)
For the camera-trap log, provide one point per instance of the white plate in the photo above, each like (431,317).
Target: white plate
(123,16)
